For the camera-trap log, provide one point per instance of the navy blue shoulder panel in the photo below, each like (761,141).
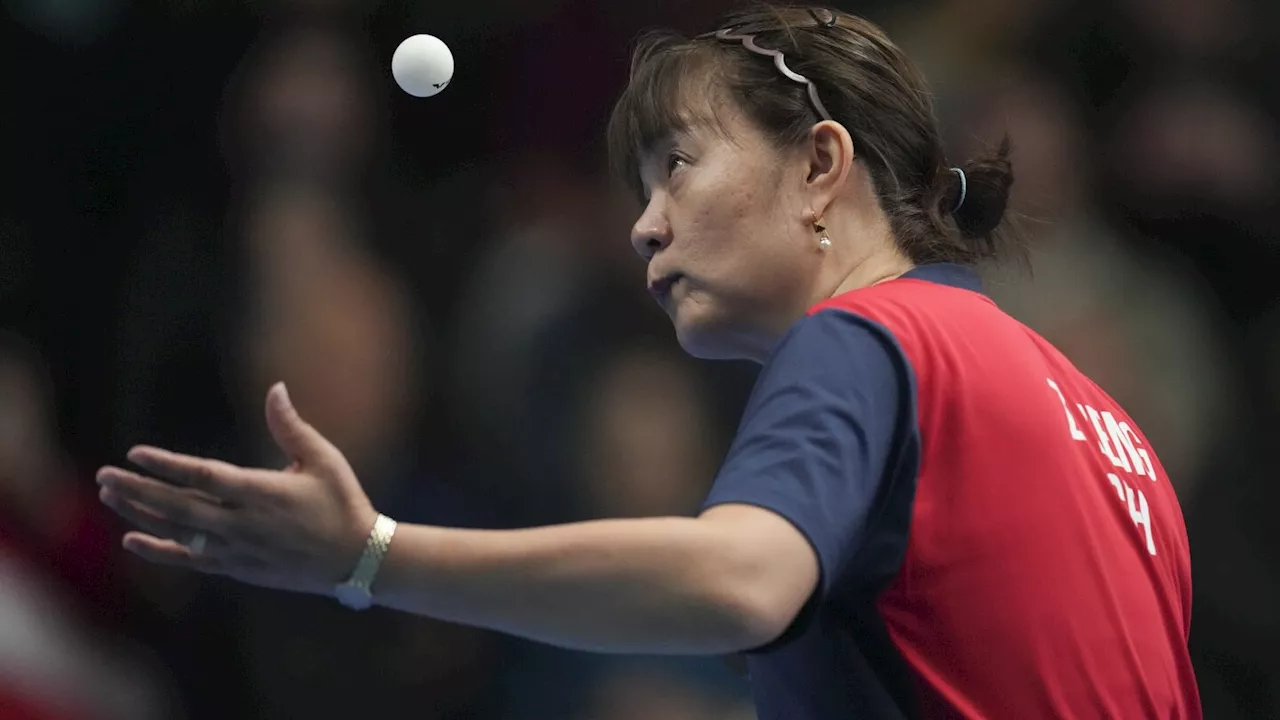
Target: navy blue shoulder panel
(824,436)
(829,441)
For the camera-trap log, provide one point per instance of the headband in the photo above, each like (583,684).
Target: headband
(825,18)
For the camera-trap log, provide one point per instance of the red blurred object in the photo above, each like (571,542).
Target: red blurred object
(14,706)
(75,550)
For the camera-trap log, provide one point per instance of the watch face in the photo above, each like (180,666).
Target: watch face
(353,596)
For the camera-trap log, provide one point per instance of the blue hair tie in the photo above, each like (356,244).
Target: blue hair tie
(964,188)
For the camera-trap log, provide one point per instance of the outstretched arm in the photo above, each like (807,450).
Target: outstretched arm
(729,580)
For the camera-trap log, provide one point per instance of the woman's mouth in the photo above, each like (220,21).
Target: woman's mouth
(660,289)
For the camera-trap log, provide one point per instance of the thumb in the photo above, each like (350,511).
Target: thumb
(296,437)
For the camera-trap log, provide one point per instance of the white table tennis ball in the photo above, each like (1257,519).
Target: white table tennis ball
(422,65)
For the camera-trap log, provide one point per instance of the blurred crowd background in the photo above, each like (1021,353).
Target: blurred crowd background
(204,196)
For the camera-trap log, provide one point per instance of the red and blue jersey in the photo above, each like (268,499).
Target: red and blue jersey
(997,539)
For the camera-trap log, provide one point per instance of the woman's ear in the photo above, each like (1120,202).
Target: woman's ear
(829,157)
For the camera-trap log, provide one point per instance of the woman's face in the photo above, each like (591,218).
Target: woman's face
(732,254)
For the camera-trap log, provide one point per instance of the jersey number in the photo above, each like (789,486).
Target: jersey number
(1120,445)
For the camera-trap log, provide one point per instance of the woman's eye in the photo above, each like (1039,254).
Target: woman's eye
(674,163)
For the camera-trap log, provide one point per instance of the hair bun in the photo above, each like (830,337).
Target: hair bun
(985,186)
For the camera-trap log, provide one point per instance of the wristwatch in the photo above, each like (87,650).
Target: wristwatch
(357,592)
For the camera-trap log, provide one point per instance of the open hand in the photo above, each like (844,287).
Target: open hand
(300,529)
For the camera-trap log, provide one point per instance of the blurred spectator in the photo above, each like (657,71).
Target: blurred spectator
(1136,321)
(301,106)
(649,444)
(324,314)
(332,324)
(958,42)
(531,271)
(1189,143)
(640,691)
(61,652)
(637,433)
(647,437)
(559,250)
(337,328)
(1194,30)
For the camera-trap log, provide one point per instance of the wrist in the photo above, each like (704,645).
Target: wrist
(356,591)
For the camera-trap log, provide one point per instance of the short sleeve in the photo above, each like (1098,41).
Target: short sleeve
(824,434)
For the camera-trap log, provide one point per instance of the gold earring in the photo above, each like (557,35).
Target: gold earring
(818,227)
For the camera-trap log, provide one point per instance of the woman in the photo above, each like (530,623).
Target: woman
(927,510)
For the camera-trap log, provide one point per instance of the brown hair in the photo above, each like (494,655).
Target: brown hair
(865,82)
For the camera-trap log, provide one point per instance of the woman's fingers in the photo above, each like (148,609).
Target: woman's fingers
(163,551)
(141,518)
(215,478)
(169,505)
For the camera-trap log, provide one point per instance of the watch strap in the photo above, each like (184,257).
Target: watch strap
(366,570)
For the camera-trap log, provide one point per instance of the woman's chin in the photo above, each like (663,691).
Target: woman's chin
(702,337)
